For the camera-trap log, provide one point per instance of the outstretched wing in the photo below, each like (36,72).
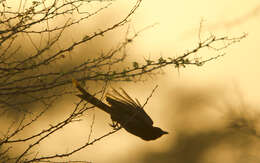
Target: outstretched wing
(127,105)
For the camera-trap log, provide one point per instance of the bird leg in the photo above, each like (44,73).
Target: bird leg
(115,125)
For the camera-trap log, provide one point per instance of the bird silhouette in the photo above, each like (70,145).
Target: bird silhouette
(126,112)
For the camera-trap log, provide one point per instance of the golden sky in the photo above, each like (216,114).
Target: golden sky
(234,76)
(176,32)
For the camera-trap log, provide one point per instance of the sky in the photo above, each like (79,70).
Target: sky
(178,31)
(189,102)
(232,79)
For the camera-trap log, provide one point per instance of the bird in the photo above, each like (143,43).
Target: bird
(125,113)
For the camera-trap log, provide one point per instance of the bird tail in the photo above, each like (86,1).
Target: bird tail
(90,98)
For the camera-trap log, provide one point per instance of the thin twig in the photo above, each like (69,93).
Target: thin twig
(148,98)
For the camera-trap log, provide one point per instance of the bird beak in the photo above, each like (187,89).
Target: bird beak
(165,132)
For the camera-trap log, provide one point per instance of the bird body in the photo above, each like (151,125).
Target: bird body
(125,111)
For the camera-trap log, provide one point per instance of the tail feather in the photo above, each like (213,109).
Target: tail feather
(90,98)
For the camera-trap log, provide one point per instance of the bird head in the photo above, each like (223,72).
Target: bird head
(159,131)
(156,133)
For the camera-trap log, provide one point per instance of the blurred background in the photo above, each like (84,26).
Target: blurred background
(211,112)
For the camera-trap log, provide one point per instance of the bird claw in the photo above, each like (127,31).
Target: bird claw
(115,125)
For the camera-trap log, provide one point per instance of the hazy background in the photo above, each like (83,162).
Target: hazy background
(195,104)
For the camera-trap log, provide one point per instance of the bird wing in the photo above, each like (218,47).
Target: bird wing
(126,104)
